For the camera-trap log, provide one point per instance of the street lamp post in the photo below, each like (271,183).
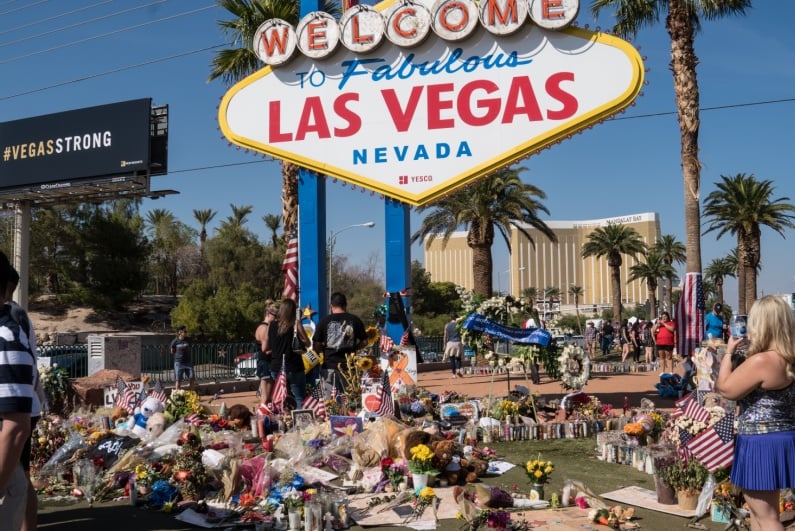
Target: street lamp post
(332,239)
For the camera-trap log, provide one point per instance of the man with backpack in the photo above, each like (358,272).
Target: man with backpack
(16,401)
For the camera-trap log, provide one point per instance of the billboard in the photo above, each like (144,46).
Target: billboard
(106,140)
(412,100)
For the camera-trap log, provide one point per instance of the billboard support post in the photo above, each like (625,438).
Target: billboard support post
(21,258)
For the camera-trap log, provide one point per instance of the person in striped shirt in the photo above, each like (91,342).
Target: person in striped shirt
(16,402)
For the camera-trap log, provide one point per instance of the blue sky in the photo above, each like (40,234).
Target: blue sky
(59,55)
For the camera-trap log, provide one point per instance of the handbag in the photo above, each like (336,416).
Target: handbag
(311,360)
(309,357)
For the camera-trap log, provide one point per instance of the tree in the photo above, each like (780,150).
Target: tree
(576,292)
(716,271)
(671,251)
(169,238)
(500,200)
(612,242)
(682,21)
(741,205)
(272,221)
(239,61)
(530,293)
(653,268)
(204,217)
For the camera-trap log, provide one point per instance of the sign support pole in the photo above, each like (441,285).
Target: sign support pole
(398,256)
(312,275)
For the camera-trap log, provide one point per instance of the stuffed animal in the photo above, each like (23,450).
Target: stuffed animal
(240,416)
(453,472)
(155,426)
(443,452)
(473,468)
(149,407)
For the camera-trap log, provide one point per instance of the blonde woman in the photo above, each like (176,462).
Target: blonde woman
(764,453)
(263,356)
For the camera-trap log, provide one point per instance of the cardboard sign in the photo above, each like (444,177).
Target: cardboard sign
(344,425)
(466,409)
(111,447)
(402,366)
(111,392)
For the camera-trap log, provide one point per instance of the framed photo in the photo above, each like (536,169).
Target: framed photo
(303,417)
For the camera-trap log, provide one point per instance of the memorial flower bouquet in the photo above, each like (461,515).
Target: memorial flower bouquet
(421,461)
(539,471)
(425,498)
(395,471)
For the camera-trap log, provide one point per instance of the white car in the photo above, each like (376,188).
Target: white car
(246,366)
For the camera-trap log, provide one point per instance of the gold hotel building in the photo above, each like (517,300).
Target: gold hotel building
(547,264)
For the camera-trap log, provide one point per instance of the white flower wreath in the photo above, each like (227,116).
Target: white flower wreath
(574,367)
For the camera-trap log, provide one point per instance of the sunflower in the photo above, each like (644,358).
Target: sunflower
(364,364)
(372,335)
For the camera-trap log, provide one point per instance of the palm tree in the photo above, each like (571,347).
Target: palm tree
(671,251)
(204,217)
(272,221)
(650,270)
(500,200)
(576,292)
(530,293)
(682,20)
(235,63)
(717,270)
(741,205)
(613,241)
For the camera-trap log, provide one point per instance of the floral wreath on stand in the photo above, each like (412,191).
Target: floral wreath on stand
(574,367)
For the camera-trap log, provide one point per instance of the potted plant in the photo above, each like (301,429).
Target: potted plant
(421,466)
(687,478)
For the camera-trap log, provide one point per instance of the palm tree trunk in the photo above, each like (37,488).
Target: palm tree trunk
(741,277)
(669,286)
(752,252)
(289,196)
(482,267)
(652,287)
(719,286)
(683,66)
(615,274)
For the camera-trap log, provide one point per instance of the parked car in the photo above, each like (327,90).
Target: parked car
(246,366)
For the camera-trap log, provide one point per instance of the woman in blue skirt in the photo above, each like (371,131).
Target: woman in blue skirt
(764,453)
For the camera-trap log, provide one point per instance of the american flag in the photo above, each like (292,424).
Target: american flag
(158,392)
(694,411)
(193,419)
(125,396)
(279,392)
(315,402)
(385,342)
(142,395)
(387,406)
(290,269)
(714,447)
(690,315)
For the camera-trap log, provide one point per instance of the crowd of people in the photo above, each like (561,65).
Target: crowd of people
(282,338)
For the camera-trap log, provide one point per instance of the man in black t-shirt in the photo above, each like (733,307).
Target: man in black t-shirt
(338,334)
(183,364)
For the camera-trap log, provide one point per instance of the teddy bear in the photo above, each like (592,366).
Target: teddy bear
(155,426)
(472,468)
(443,452)
(149,407)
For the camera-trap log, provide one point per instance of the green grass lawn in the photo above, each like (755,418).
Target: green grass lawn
(576,459)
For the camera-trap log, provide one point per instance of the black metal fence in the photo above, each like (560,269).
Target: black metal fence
(211,361)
